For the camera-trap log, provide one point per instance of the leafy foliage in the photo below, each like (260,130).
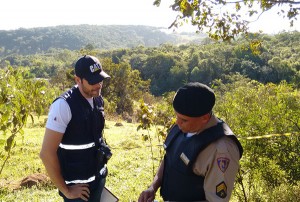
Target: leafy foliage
(254,109)
(225,20)
(161,119)
(169,67)
(125,86)
(20,97)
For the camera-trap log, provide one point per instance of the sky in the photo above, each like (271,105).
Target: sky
(15,14)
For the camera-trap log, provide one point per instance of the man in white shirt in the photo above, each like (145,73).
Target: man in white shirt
(73,151)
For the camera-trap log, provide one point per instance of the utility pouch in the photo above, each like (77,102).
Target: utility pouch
(103,155)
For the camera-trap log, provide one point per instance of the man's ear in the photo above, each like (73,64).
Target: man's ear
(206,117)
(77,79)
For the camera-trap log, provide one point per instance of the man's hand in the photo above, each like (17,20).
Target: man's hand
(147,195)
(78,191)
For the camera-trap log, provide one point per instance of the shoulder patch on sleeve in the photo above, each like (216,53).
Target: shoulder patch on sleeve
(221,190)
(223,163)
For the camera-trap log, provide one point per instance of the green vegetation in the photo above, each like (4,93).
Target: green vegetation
(109,37)
(169,66)
(20,96)
(271,161)
(226,20)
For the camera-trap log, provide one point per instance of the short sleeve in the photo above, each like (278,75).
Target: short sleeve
(59,116)
(219,164)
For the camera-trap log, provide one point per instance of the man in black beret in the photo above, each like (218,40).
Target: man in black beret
(202,153)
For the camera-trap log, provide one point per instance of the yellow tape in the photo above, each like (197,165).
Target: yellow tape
(240,138)
(266,136)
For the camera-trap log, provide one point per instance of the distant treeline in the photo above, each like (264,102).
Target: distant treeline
(169,66)
(74,37)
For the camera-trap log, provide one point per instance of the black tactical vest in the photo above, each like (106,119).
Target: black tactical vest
(179,181)
(78,149)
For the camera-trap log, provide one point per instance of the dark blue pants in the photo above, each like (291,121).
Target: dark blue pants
(95,195)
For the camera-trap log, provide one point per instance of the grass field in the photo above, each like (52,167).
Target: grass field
(130,168)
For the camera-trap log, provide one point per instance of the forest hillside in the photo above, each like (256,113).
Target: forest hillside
(73,37)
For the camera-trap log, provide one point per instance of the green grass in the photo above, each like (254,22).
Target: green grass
(130,168)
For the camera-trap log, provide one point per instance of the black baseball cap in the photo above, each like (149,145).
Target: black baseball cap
(89,68)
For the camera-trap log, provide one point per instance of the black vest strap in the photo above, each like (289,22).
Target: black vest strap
(171,136)
(205,138)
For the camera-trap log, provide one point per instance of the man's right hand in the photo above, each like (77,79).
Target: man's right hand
(78,191)
(147,196)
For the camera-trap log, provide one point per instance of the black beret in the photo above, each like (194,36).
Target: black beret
(194,100)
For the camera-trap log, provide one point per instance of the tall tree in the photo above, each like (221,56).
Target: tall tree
(124,87)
